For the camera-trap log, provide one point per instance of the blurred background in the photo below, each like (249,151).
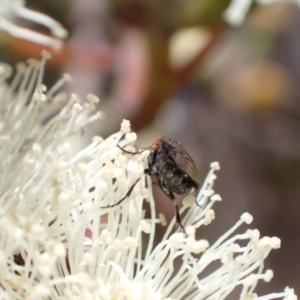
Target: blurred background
(228,94)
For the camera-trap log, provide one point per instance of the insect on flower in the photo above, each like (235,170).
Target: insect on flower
(171,167)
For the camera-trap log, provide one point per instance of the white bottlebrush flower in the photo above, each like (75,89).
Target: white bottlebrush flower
(238,9)
(56,242)
(12,9)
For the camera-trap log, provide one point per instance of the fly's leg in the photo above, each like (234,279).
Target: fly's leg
(178,218)
(146,171)
(133,153)
(126,196)
(176,207)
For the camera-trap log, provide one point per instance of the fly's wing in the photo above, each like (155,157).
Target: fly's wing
(181,158)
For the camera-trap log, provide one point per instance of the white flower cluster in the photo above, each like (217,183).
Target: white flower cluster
(236,12)
(56,242)
(12,9)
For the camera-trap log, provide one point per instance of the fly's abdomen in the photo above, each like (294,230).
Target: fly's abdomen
(172,178)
